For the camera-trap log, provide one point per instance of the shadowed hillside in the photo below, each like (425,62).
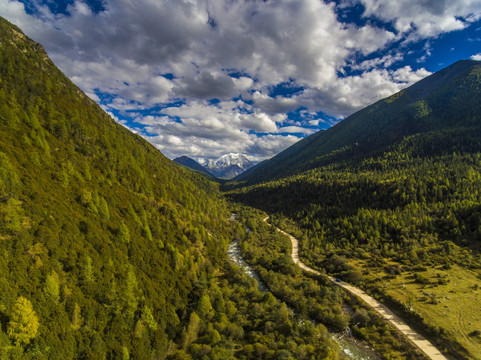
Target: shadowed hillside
(438,111)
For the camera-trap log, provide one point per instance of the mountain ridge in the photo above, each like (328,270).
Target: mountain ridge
(192,164)
(380,125)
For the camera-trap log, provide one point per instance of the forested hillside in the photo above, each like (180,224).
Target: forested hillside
(437,112)
(399,211)
(108,250)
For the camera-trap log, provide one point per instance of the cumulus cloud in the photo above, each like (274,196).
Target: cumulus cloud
(476,57)
(207,85)
(275,105)
(384,61)
(270,41)
(424,18)
(135,57)
(208,130)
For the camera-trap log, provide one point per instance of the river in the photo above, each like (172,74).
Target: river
(349,346)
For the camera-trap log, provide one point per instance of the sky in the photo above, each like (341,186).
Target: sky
(204,78)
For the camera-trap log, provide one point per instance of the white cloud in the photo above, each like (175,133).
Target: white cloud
(425,18)
(296,129)
(407,76)
(208,130)
(278,104)
(131,42)
(476,57)
(152,52)
(385,61)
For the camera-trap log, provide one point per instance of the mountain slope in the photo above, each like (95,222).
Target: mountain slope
(389,200)
(92,218)
(108,250)
(192,164)
(445,101)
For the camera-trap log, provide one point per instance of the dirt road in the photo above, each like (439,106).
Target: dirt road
(415,338)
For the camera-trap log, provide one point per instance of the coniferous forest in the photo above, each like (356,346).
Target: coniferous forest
(109,250)
(398,215)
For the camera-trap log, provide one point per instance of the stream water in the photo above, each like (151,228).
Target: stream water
(349,346)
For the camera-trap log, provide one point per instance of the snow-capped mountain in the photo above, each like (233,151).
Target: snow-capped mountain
(227,166)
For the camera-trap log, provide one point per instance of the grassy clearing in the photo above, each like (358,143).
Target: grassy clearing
(449,299)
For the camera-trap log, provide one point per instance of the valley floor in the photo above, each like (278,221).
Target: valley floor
(414,337)
(445,298)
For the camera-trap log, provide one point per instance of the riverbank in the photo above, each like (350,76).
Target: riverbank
(351,348)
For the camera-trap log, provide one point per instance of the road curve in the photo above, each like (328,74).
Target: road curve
(414,337)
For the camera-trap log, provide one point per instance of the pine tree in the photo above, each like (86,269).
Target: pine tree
(9,181)
(149,319)
(130,292)
(104,209)
(76,317)
(125,353)
(85,197)
(87,270)
(204,308)
(24,324)
(123,234)
(52,287)
(147,233)
(139,330)
(192,330)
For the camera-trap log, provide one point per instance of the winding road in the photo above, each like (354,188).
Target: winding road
(414,337)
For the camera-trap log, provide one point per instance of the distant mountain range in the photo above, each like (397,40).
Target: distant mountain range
(228,166)
(225,167)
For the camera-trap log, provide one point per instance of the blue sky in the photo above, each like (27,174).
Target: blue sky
(207,77)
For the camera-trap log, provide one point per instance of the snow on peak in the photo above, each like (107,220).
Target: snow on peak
(232,159)
(228,165)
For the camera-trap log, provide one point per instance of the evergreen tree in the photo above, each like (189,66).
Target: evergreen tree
(130,292)
(192,329)
(76,317)
(149,319)
(123,234)
(104,209)
(87,270)
(204,307)
(8,177)
(125,353)
(24,324)
(52,287)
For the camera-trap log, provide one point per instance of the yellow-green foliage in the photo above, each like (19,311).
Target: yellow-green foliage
(114,245)
(52,287)
(316,298)
(444,298)
(76,317)
(8,177)
(23,325)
